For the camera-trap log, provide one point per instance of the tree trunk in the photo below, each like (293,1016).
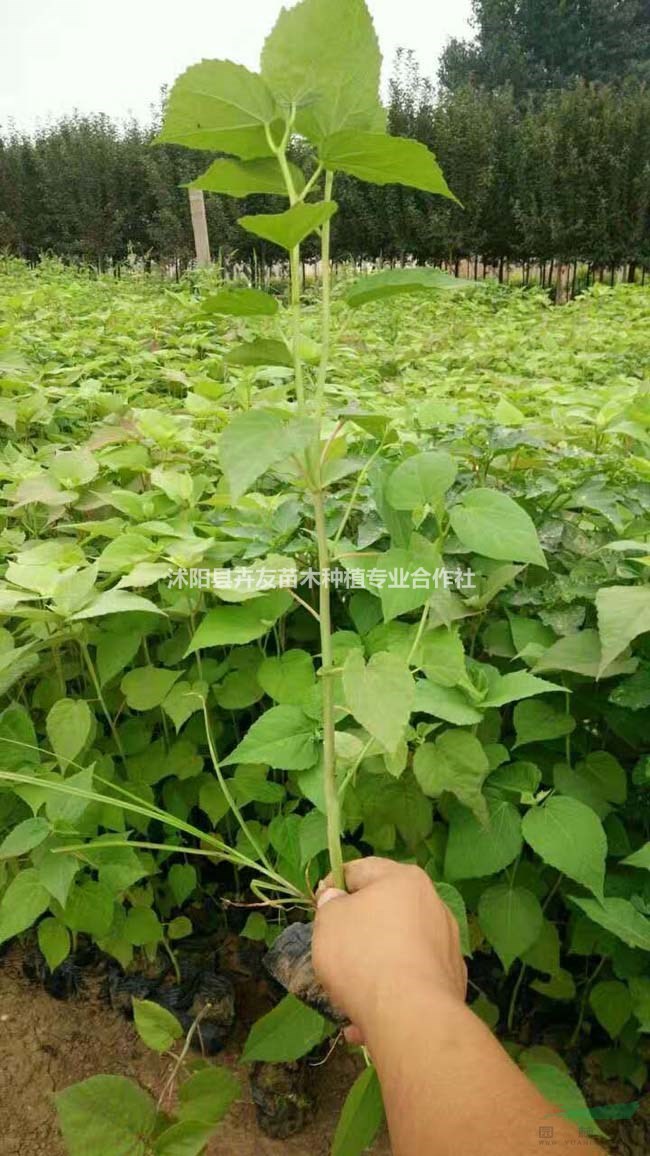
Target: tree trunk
(200,227)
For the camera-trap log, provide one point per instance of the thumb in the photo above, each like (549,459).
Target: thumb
(329,894)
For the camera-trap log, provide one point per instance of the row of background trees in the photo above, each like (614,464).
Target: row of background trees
(541,124)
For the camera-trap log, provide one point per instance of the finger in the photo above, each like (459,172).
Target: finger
(353,1037)
(361,873)
(328,895)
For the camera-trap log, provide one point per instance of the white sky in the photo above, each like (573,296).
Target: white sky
(113,57)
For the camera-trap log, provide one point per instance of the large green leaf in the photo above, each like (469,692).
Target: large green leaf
(114,653)
(379,695)
(208,1094)
(323,58)
(640,858)
(569,836)
(234,178)
(289,678)
(69,726)
(511,919)
(517,685)
(147,687)
(236,625)
(18,741)
(544,954)
(256,440)
(611,1004)
(56,872)
(620,917)
(393,282)
(384,160)
(184,700)
(453,899)
(186,1138)
(560,986)
(284,1034)
(261,351)
(493,525)
(61,808)
(602,778)
(580,653)
(23,838)
(475,849)
(156,1026)
(421,480)
(182,880)
(247,447)
(116,602)
(142,927)
(455,762)
(107,1114)
(221,107)
(442,657)
(559,1089)
(312,837)
(640,991)
(284,737)
(403,578)
(54,941)
(361,1117)
(90,908)
(517,779)
(623,614)
(448,703)
(537,722)
(250,784)
(288,229)
(240,302)
(22,903)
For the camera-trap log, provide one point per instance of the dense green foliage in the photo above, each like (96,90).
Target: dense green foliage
(113,398)
(567,179)
(534,45)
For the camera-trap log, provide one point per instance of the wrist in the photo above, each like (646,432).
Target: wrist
(401,1002)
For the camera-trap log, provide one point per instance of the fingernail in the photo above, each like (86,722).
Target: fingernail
(328,895)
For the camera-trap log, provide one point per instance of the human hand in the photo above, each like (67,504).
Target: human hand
(389,932)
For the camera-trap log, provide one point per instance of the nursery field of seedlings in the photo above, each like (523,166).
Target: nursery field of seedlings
(494,731)
(295,577)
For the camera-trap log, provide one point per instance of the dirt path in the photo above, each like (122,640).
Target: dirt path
(45,1045)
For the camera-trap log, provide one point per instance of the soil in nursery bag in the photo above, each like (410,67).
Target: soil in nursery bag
(282,1101)
(290,964)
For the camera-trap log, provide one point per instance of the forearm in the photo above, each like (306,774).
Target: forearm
(449,1087)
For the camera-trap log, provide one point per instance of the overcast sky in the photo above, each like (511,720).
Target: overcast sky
(61,55)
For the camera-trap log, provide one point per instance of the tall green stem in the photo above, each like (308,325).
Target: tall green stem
(326,310)
(585,997)
(329,751)
(102,702)
(314,470)
(295,313)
